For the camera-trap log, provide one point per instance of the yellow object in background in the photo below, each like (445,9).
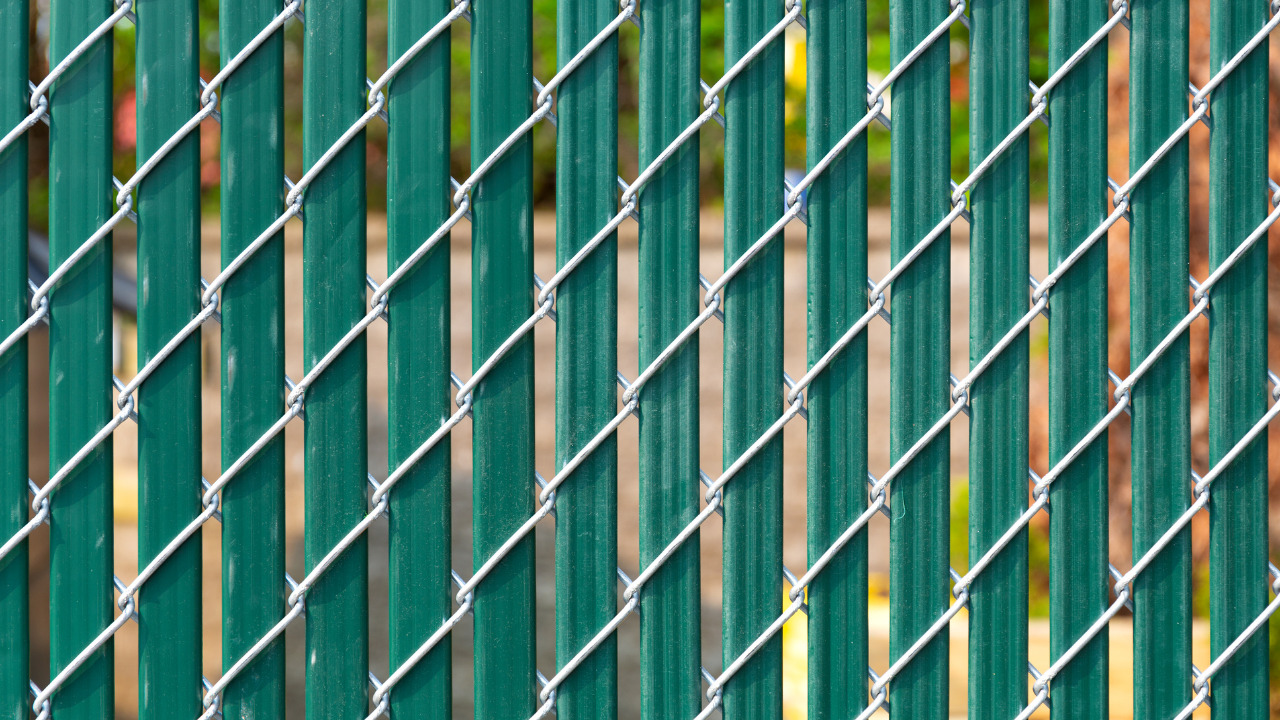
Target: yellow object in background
(795,665)
(794,72)
(794,65)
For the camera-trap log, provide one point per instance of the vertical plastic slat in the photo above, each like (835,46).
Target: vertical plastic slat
(252,305)
(14,498)
(1238,360)
(587,360)
(169,625)
(1158,266)
(836,57)
(1079,585)
(81,596)
(670,609)
(998,251)
(419,392)
(920,350)
(501,286)
(333,280)
(753,361)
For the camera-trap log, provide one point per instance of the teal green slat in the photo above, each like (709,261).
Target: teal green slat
(753,201)
(419,394)
(252,306)
(587,360)
(920,353)
(836,57)
(1238,361)
(670,610)
(1079,585)
(333,286)
(81,596)
(169,626)
(998,268)
(1158,296)
(14,497)
(501,294)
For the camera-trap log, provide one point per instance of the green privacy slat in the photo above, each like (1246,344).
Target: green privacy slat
(14,498)
(252,305)
(586,360)
(670,655)
(920,352)
(753,170)
(169,626)
(419,393)
(1238,361)
(1158,266)
(998,251)
(81,596)
(1079,585)
(333,282)
(836,53)
(501,273)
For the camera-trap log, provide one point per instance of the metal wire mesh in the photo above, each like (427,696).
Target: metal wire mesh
(630,206)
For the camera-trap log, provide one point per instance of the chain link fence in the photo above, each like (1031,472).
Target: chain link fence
(89,605)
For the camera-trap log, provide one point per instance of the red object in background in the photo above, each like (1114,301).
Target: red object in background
(126,123)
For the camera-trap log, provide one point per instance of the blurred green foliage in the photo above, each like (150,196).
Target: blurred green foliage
(1273,639)
(544,41)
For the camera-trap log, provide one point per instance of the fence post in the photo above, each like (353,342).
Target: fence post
(753,170)
(670,604)
(333,281)
(419,392)
(252,373)
(920,356)
(14,497)
(169,624)
(587,359)
(501,285)
(1238,360)
(80,201)
(1161,444)
(836,61)
(999,265)
(1079,584)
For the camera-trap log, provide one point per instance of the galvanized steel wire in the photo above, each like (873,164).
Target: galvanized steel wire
(631,205)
